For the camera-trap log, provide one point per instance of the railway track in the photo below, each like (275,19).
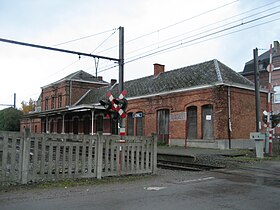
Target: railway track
(182,162)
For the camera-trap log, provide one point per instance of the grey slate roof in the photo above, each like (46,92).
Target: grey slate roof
(79,76)
(195,76)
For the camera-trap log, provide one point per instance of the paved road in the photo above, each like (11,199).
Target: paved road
(253,188)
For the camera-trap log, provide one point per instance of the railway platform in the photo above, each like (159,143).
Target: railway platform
(194,152)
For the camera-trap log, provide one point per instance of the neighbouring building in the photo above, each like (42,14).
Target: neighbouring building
(203,105)
(263,62)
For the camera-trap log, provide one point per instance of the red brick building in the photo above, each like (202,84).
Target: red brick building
(263,60)
(206,105)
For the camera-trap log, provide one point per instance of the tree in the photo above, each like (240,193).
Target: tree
(27,107)
(10,119)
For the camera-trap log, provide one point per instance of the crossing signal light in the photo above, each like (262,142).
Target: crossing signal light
(275,120)
(121,103)
(107,104)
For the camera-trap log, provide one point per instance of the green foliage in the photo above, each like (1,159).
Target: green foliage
(10,119)
(29,106)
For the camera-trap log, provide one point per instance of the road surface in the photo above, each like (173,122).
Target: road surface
(256,187)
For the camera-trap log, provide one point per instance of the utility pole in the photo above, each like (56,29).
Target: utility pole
(269,111)
(121,69)
(257,88)
(11,105)
(121,57)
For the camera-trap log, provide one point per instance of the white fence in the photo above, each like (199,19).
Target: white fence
(35,157)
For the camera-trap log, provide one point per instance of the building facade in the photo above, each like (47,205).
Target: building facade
(263,62)
(203,105)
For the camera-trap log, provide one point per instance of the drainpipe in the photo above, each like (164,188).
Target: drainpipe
(229,118)
(92,121)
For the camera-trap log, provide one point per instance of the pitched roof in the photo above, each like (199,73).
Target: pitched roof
(191,77)
(79,76)
(262,59)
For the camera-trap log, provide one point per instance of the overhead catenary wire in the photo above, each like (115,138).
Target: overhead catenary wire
(201,37)
(191,42)
(241,18)
(84,37)
(206,26)
(222,35)
(171,25)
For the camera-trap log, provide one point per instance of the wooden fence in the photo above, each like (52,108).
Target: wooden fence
(34,157)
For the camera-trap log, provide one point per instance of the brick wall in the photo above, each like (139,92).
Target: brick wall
(67,90)
(242,111)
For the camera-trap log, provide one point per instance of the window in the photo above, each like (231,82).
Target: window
(46,103)
(130,124)
(276,94)
(59,101)
(139,123)
(52,102)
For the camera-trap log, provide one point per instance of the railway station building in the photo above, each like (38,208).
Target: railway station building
(203,105)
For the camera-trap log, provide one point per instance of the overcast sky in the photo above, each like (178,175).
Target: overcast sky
(175,33)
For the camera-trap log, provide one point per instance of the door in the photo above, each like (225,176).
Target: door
(139,123)
(75,125)
(207,121)
(163,125)
(192,122)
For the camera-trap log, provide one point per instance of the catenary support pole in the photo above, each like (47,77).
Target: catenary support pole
(269,113)
(121,68)
(257,88)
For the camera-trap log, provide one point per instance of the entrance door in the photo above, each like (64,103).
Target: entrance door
(163,125)
(207,114)
(75,125)
(192,122)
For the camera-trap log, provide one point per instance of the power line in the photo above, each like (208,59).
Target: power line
(205,36)
(174,24)
(105,40)
(181,45)
(222,36)
(84,37)
(206,26)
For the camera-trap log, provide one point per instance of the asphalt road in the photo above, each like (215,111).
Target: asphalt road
(256,187)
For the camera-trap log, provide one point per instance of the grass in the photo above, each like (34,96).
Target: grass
(68,183)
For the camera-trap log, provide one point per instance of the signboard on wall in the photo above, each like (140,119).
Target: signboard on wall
(137,115)
(208,117)
(178,116)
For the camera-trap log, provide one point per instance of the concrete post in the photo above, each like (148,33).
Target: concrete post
(99,145)
(154,153)
(25,156)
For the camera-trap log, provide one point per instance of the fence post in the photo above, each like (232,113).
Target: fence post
(154,153)
(25,156)
(99,145)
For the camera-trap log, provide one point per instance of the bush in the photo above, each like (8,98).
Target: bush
(10,119)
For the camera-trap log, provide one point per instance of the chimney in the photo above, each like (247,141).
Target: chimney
(100,78)
(158,68)
(113,81)
(276,45)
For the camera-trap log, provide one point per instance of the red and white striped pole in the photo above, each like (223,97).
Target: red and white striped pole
(269,124)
